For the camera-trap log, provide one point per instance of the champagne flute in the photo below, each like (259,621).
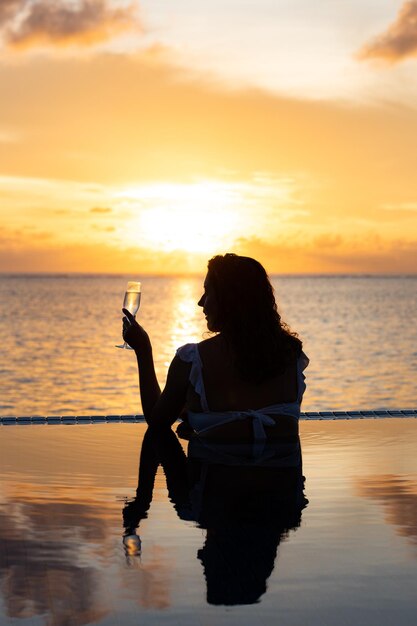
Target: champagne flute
(131,302)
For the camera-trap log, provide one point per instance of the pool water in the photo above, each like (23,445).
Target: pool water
(224,536)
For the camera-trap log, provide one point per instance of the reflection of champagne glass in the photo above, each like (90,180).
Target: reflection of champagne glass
(133,548)
(131,302)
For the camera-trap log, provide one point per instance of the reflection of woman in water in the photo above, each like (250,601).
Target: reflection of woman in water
(247,503)
(244,383)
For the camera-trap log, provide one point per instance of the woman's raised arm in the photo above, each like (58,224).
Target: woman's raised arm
(159,409)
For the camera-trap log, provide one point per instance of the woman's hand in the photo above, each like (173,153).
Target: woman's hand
(134,334)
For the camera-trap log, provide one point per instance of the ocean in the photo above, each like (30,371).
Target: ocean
(58,338)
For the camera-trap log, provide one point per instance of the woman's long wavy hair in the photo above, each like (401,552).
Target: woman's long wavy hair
(248,318)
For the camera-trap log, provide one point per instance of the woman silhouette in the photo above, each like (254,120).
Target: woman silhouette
(246,382)
(247,505)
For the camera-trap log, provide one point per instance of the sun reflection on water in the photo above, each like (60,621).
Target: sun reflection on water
(187,321)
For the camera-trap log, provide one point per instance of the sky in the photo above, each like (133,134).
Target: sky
(144,137)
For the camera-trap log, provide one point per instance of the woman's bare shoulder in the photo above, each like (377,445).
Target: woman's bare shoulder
(215,353)
(211,344)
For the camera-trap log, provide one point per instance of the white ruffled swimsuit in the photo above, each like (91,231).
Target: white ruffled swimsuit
(206,420)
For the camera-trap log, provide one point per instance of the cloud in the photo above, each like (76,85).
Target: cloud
(99,209)
(405,208)
(328,240)
(8,9)
(346,163)
(105,229)
(396,495)
(21,251)
(27,24)
(9,136)
(51,529)
(331,253)
(399,41)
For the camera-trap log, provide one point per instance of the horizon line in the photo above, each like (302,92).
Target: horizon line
(362,274)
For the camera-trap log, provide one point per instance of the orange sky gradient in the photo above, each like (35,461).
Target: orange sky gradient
(121,153)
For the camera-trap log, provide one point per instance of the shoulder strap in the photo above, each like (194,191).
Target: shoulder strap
(302,363)
(191,354)
(198,382)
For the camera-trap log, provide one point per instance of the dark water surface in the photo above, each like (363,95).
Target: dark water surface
(216,554)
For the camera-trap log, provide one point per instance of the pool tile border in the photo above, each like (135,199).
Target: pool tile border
(12,420)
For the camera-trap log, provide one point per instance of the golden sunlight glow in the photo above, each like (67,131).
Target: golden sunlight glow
(187,323)
(198,217)
(162,149)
